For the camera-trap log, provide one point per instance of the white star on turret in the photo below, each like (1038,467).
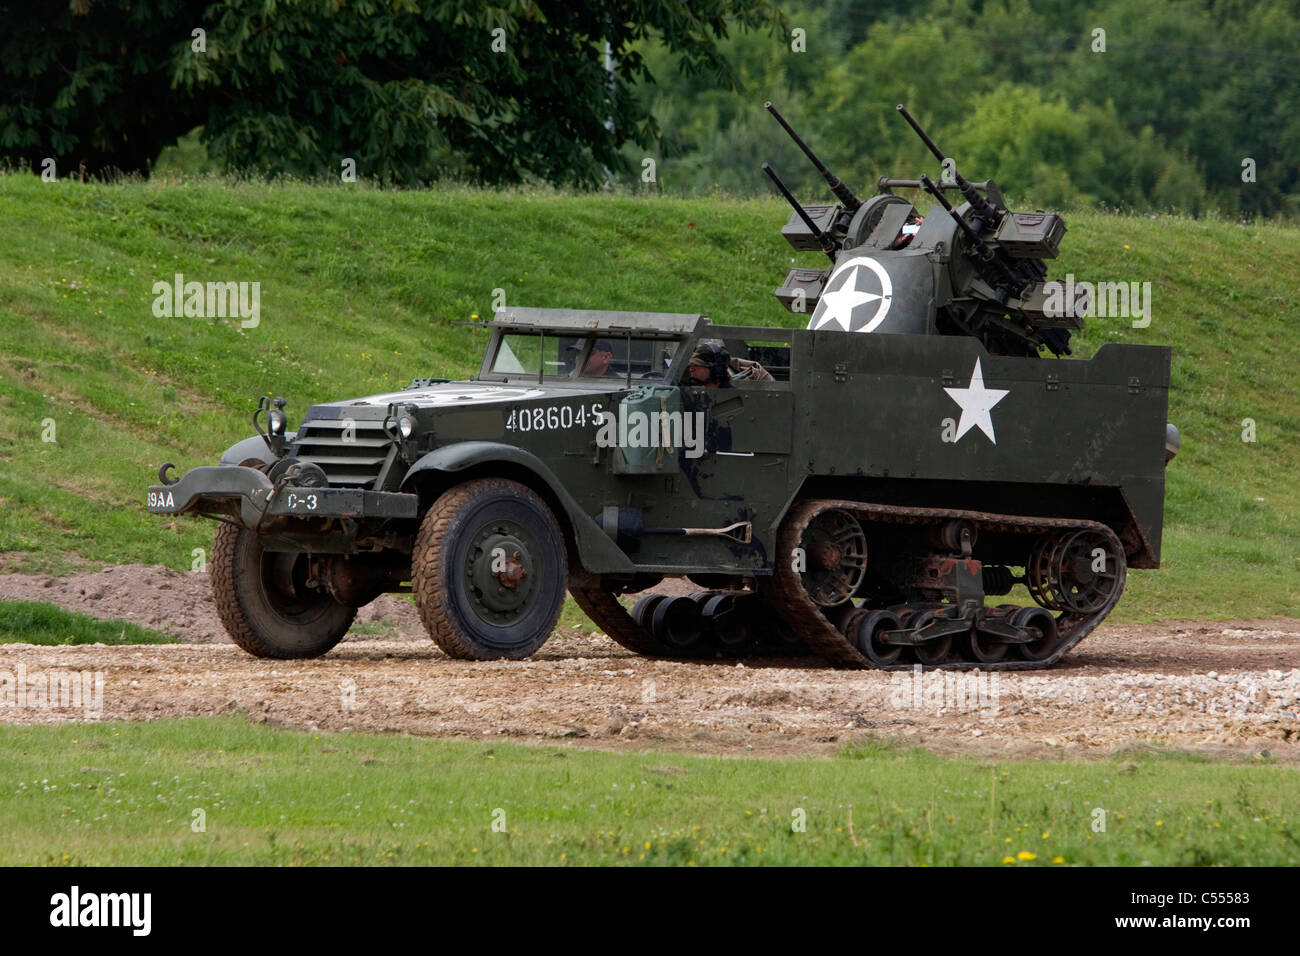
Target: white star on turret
(976,401)
(841,303)
(835,309)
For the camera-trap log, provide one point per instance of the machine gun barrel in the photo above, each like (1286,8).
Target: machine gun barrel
(1006,281)
(986,213)
(842,192)
(929,143)
(825,241)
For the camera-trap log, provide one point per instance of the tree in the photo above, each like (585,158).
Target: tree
(408,90)
(88,84)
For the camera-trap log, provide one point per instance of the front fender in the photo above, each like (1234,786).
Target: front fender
(598,553)
(253,447)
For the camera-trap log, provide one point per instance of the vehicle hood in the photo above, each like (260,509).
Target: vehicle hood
(460,394)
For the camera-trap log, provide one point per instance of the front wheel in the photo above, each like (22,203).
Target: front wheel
(264,601)
(489,570)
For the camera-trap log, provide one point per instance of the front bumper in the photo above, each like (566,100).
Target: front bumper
(249,496)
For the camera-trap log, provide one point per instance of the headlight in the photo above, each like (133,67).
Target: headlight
(276,421)
(406,425)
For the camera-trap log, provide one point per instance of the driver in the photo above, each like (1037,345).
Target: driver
(602,353)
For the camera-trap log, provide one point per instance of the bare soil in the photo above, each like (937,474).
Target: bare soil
(1221,688)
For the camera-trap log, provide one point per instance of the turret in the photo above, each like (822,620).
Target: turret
(974,269)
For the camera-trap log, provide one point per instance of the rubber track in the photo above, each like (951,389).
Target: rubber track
(608,614)
(785,592)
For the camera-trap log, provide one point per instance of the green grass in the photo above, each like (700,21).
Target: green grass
(361,290)
(30,622)
(116,794)
(573,619)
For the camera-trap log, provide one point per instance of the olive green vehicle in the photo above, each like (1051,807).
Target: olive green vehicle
(869,503)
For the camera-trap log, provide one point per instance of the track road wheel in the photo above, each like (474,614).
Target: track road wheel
(931,652)
(264,602)
(678,622)
(867,638)
(488,570)
(1041,620)
(725,623)
(985,650)
(644,609)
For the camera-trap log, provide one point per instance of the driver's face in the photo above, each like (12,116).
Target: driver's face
(699,374)
(597,362)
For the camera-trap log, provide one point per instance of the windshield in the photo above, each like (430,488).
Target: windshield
(589,357)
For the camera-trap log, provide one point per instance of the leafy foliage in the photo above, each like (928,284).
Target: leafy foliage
(86,85)
(1017,90)
(1169,112)
(409,91)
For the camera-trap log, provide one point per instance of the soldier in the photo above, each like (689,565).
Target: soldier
(909,231)
(602,353)
(747,370)
(712,367)
(709,367)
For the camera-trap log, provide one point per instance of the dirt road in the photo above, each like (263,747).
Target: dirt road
(1213,687)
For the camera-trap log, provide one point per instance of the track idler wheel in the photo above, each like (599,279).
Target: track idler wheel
(1037,620)
(1081,571)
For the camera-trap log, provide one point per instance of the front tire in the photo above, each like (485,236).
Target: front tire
(489,571)
(264,602)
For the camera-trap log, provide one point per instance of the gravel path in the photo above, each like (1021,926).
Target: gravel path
(1214,687)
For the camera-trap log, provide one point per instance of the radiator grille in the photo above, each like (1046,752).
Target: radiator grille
(350,459)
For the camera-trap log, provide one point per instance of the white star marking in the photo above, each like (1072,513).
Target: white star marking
(976,401)
(835,310)
(841,303)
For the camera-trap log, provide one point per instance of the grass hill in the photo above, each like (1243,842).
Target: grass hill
(361,290)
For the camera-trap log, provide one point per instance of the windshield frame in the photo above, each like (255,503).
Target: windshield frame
(588,337)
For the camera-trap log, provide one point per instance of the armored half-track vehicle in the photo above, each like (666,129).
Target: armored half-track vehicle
(866,497)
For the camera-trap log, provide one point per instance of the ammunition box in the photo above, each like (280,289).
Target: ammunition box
(802,289)
(796,231)
(1031,235)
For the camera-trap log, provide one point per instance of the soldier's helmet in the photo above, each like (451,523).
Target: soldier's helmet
(715,358)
